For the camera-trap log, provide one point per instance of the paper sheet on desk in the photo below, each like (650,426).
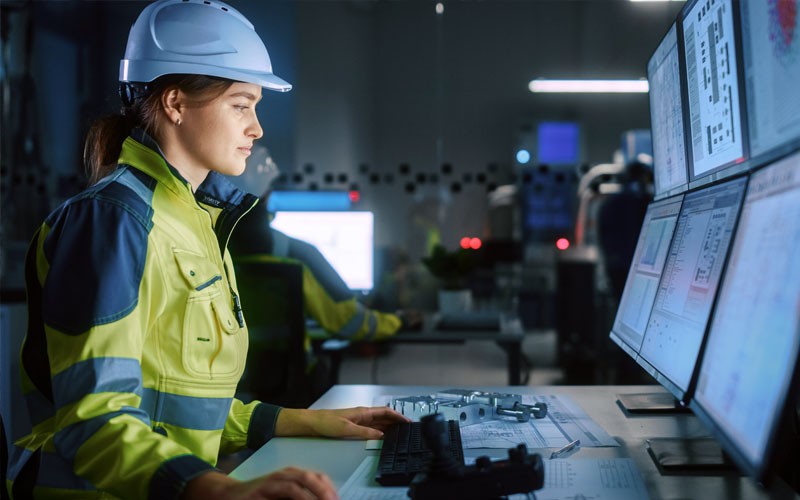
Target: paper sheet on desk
(584,478)
(565,422)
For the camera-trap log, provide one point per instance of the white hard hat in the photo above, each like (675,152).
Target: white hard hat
(197,37)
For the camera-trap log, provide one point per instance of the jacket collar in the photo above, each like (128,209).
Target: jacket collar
(142,152)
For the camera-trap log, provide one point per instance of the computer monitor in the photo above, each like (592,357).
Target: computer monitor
(558,143)
(716,139)
(749,372)
(689,284)
(666,116)
(645,272)
(344,238)
(771,64)
(309,201)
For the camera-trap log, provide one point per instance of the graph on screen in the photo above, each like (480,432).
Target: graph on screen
(771,55)
(666,115)
(690,279)
(645,272)
(754,336)
(715,117)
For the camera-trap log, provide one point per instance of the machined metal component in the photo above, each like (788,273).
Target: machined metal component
(468,407)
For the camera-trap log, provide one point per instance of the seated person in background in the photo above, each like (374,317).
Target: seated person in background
(619,222)
(327,298)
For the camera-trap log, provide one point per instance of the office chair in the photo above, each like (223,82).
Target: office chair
(277,368)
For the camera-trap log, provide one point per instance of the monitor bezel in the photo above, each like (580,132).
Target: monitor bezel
(684,395)
(734,167)
(777,151)
(683,187)
(614,335)
(766,471)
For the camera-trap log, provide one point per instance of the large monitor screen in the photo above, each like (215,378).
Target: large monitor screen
(751,354)
(344,238)
(712,86)
(666,115)
(771,60)
(645,273)
(559,143)
(689,284)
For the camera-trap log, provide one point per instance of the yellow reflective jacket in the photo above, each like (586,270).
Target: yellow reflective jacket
(135,341)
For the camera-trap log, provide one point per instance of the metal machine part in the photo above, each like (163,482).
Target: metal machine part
(468,407)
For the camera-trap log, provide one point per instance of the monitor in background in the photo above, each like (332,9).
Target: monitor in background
(709,41)
(344,238)
(309,201)
(749,371)
(771,64)
(645,273)
(558,143)
(666,116)
(689,283)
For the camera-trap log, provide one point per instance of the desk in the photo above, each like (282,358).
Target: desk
(339,458)
(510,342)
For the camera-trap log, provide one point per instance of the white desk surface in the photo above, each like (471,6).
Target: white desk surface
(339,458)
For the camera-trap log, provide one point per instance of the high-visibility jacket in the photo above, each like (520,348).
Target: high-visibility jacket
(135,341)
(327,299)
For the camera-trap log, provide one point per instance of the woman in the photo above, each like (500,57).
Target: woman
(136,340)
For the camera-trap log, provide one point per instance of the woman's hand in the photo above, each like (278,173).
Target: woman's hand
(292,483)
(361,422)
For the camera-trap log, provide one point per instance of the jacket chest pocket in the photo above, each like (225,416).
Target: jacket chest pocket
(212,344)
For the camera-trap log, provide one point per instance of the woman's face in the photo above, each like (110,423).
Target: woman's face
(219,134)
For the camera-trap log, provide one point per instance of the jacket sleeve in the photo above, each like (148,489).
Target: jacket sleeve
(90,264)
(249,425)
(348,318)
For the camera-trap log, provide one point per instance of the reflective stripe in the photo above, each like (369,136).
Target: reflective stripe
(354,325)
(56,472)
(373,326)
(69,439)
(96,375)
(128,179)
(16,461)
(39,407)
(188,412)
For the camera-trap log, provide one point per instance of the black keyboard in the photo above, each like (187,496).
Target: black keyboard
(405,452)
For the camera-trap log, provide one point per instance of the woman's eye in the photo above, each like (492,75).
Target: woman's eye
(240,107)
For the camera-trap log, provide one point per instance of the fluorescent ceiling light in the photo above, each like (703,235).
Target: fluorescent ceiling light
(657,0)
(593,86)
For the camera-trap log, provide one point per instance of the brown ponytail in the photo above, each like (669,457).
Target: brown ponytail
(104,139)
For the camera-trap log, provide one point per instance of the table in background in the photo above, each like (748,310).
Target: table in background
(510,340)
(339,458)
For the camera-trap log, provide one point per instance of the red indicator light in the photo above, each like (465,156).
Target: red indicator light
(354,196)
(465,242)
(562,243)
(475,243)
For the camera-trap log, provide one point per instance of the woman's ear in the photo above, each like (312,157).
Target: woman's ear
(172,104)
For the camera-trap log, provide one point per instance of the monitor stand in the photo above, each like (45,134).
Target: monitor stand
(650,402)
(699,456)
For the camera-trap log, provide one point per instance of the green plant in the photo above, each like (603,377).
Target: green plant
(451,267)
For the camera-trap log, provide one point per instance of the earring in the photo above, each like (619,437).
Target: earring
(178,122)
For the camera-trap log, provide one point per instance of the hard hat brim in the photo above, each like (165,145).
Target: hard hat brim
(128,73)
